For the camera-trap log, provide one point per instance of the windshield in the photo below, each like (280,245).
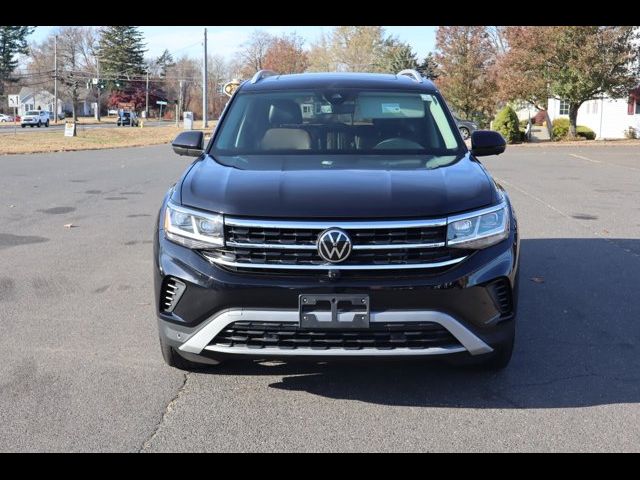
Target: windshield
(336,122)
(33,112)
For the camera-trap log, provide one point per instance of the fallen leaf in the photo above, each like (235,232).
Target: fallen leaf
(537,279)
(69,225)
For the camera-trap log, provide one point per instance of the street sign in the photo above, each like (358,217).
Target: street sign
(161,102)
(70,129)
(14,101)
(230,87)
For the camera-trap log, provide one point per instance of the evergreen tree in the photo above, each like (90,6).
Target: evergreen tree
(121,51)
(164,62)
(13,41)
(397,56)
(429,67)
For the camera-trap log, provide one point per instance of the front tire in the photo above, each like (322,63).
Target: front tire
(39,124)
(173,359)
(47,124)
(497,360)
(23,126)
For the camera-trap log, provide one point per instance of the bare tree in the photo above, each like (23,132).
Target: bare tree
(349,49)
(77,63)
(252,54)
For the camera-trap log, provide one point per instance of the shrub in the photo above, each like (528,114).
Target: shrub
(523,123)
(506,123)
(631,133)
(585,132)
(560,128)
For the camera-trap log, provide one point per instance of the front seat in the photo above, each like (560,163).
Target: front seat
(285,132)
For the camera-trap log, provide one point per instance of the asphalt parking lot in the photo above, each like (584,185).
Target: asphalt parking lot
(81,370)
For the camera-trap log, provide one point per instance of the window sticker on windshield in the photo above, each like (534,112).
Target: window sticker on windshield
(391,108)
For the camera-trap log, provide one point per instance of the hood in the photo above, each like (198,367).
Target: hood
(463,185)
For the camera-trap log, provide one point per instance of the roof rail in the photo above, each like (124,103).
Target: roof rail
(262,74)
(411,73)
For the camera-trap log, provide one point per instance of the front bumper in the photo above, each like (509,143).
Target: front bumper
(462,300)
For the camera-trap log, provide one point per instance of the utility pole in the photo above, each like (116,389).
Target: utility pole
(204,83)
(55,76)
(146,108)
(98,87)
(179,111)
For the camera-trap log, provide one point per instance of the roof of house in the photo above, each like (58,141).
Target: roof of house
(26,92)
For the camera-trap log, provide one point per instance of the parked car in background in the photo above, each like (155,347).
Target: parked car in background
(52,116)
(466,127)
(112,112)
(5,118)
(127,118)
(35,118)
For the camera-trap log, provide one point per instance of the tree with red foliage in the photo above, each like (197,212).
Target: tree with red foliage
(135,92)
(466,57)
(286,54)
(573,63)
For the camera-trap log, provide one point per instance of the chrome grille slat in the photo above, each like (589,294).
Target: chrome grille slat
(376,245)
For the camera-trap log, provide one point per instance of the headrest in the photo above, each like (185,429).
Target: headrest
(284,112)
(286,139)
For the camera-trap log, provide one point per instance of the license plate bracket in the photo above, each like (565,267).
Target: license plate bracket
(330,311)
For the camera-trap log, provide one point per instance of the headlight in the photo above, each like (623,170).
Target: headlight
(192,228)
(479,229)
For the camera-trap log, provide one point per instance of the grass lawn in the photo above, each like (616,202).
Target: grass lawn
(92,139)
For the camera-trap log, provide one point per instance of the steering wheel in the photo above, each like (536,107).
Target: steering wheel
(397,143)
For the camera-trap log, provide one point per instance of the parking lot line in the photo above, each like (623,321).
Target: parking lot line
(584,158)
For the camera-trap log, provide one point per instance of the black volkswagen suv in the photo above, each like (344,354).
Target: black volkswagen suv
(336,215)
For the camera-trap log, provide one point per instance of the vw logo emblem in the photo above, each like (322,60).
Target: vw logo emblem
(334,245)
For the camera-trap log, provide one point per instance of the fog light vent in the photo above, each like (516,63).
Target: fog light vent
(171,293)
(501,292)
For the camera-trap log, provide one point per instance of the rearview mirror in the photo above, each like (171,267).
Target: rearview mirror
(487,142)
(189,144)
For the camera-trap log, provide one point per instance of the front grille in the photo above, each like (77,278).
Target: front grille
(271,256)
(307,236)
(288,336)
(271,246)
(501,293)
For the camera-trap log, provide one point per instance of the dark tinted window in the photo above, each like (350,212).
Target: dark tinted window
(336,121)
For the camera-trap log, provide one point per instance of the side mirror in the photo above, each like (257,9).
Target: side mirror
(189,143)
(487,142)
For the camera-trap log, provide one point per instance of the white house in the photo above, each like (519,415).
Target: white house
(31,99)
(607,117)
(37,100)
